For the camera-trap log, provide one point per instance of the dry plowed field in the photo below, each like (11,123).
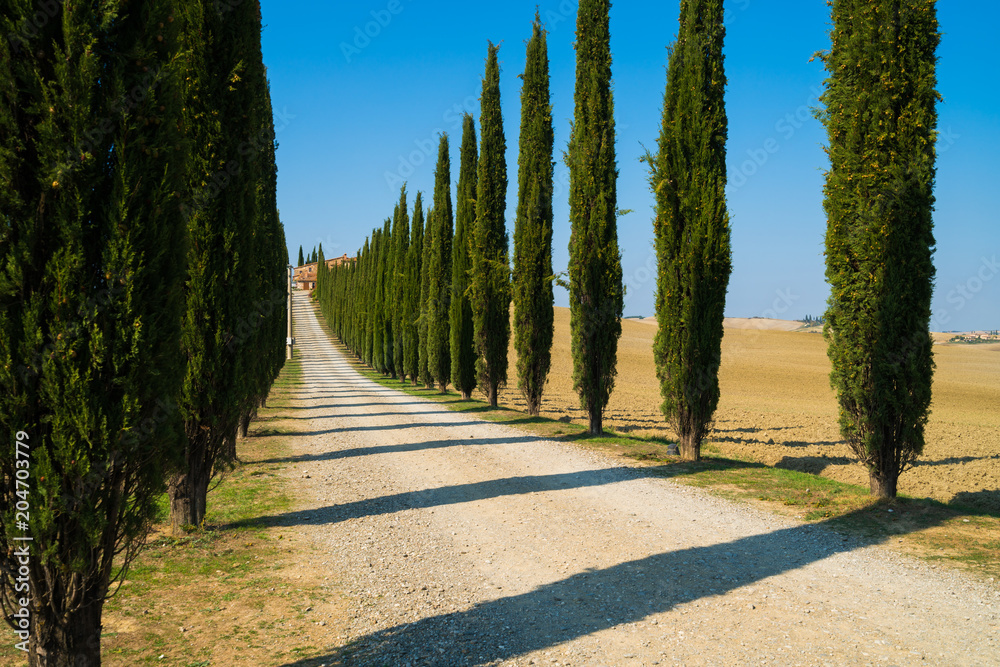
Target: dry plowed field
(777,407)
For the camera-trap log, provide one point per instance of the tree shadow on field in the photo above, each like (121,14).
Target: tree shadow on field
(448,495)
(812,464)
(811,443)
(590,601)
(981,502)
(955,459)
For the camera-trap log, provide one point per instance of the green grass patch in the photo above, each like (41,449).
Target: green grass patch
(218,580)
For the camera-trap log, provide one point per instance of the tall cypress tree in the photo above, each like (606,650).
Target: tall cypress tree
(490,267)
(439,271)
(379,243)
(302,259)
(881,118)
(92,242)
(401,247)
(533,299)
(596,296)
(688,178)
(385,299)
(414,275)
(463,349)
(423,323)
(223,94)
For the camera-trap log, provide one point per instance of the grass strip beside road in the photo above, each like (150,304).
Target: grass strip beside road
(948,533)
(237,591)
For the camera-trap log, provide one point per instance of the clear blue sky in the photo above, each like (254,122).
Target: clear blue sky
(358,113)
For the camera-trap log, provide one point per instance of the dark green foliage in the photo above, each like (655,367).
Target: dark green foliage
(423,328)
(595,273)
(411,315)
(533,314)
(439,271)
(688,178)
(92,243)
(398,310)
(231,327)
(386,271)
(880,115)
(302,259)
(463,351)
(380,245)
(490,268)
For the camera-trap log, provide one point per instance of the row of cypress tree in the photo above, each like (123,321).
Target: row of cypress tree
(142,270)
(880,115)
(441,290)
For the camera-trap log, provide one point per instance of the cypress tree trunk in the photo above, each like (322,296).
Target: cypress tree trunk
(595,272)
(188,488)
(491,269)
(880,115)
(463,349)
(533,299)
(688,178)
(92,250)
(439,272)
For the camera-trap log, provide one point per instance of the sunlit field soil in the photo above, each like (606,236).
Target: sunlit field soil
(777,407)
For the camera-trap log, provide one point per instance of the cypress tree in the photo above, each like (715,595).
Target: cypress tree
(596,295)
(688,179)
(881,118)
(302,259)
(259,338)
(412,356)
(463,350)
(491,270)
(377,304)
(225,92)
(400,291)
(533,299)
(385,299)
(423,328)
(439,271)
(366,309)
(92,242)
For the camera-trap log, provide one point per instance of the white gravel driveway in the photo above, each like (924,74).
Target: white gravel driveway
(460,542)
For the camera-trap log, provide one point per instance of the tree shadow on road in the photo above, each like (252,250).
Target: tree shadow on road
(448,495)
(590,601)
(396,449)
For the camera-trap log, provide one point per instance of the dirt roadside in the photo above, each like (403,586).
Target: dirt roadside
(459,542)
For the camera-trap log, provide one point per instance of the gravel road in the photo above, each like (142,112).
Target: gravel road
(460,542)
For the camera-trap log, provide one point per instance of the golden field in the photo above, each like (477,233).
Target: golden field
(777,407)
